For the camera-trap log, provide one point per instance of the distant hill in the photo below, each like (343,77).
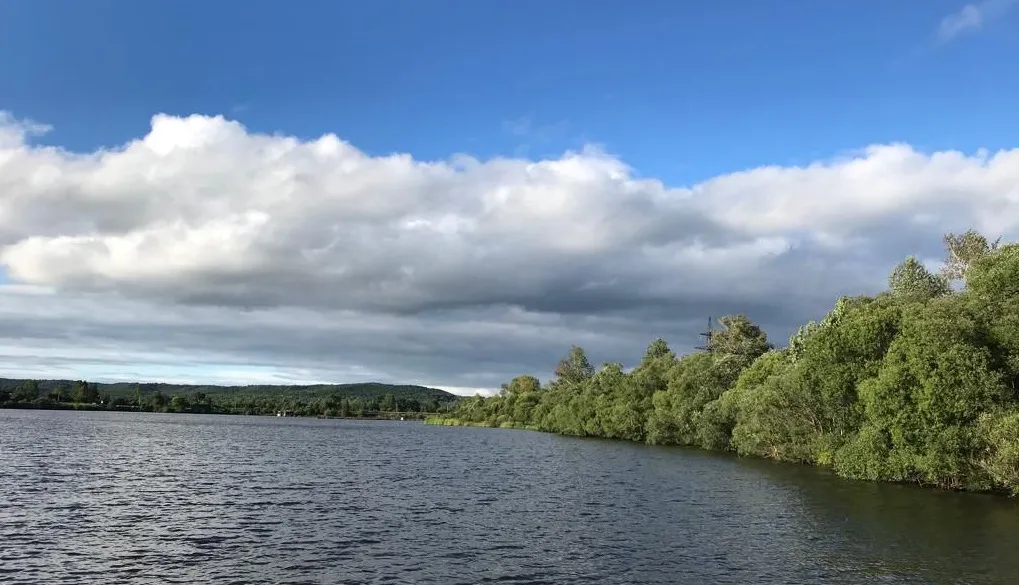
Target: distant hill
(367,390)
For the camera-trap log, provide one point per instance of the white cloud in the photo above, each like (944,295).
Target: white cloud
(14,133)
(223,251)
(972,17)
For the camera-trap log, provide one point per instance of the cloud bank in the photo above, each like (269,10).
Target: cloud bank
(224,251)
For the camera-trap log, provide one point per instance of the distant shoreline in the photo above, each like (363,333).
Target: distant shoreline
(372,400)
(395,416)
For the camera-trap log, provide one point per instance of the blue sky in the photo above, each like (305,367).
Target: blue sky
(680,90)
(211,252)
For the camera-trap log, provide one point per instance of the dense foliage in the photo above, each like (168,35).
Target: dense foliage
(340,400)
(916,384)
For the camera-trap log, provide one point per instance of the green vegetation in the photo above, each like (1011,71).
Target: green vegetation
(916,384)
(371,400)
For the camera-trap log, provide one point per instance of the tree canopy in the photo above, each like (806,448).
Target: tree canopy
(963,250)
(919,383)
(912,279)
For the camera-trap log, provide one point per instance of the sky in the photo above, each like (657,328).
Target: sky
(454,192)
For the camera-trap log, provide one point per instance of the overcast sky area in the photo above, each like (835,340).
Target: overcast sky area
(454,194)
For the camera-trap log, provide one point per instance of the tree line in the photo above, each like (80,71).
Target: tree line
(915,384)
(297,401)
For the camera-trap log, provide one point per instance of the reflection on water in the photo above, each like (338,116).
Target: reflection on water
(145,498)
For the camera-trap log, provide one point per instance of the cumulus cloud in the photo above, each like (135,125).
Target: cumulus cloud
(204,239)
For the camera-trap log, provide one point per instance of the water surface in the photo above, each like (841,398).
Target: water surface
(89,497)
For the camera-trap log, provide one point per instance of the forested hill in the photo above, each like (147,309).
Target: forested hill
(367,390)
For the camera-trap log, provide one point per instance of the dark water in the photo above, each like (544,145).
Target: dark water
(129,498)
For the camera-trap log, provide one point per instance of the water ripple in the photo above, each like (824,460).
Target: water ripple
(146,499)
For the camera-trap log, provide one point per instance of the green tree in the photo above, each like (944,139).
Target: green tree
(199,402)
(721,416)
(617,406)
(522,385)
(652,373)
(936,380)
(27,392)
(918,384)
(737,345)
(159,400)
(999,448)
(963,250)
(179,403)
(91,393)
(995,277)
(697,380)
(656,350)
(775,415)
(79,392)
(911,280)
(837,359)
(798,341)
(574,368)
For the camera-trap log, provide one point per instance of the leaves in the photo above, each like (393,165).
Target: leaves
(574,368)
(995,276)
(911,280)
(963,250)
(919,384)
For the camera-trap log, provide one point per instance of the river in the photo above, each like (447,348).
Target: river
(93,497)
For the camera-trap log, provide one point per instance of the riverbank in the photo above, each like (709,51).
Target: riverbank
(918,384)
(455,422)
